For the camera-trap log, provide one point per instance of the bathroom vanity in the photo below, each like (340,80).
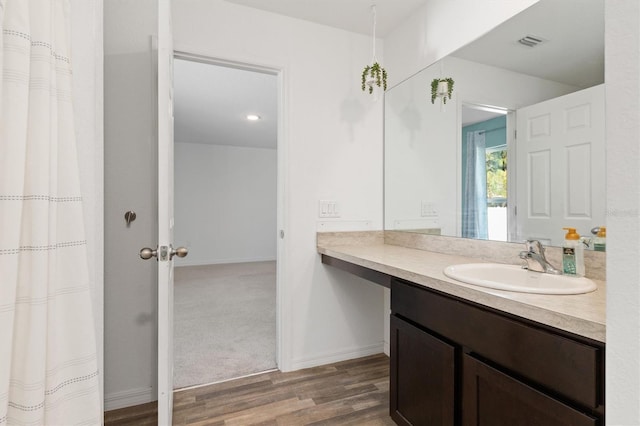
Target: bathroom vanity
(465,355)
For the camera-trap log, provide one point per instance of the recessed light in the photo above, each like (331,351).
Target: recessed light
(253,117)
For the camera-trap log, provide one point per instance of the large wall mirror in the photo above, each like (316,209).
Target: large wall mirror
(518,152)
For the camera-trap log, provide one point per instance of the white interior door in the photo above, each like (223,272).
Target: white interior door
(561,166)
(165,251)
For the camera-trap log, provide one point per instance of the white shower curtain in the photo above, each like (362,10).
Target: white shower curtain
(474,213)
(48,366)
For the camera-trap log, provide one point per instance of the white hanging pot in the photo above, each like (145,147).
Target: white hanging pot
(370,81)
(443,88)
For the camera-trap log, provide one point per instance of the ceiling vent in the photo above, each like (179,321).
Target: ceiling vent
(531,41)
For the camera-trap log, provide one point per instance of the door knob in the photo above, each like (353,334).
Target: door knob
(147,253)
(180,252)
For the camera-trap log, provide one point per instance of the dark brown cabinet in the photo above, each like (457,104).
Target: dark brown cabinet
(454,362)
(422,377)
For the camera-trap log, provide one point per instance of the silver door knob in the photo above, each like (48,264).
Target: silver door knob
(180,252)
(147,253)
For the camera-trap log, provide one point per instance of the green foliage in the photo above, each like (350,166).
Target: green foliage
(497,174)
(378,74)
(434,89)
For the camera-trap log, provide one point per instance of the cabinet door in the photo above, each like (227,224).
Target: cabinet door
(422,377)
(492,398)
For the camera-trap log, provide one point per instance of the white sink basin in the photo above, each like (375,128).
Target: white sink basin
(514,278)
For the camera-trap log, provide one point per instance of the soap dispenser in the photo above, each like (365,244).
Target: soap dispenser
(600,241)
(572,254)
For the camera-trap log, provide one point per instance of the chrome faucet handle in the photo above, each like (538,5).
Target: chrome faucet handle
(535,258)
(534,246)
(531,260)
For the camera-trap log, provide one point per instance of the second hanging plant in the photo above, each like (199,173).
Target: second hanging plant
(441,88)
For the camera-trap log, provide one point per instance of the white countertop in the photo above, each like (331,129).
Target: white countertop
(582,314)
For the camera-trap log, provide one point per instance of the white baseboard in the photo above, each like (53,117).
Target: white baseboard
(331,357)
(196,262)
(387,348)
(128,398)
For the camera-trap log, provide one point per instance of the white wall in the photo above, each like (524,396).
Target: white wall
(423,139)
(439,28)
(331,145)
(225,203)
(86,53)
(130,153)
(622,71)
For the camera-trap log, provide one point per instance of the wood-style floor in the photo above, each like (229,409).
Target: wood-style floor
(354,392)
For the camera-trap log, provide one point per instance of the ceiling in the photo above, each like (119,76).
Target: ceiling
(573,50)
(211,105)
(353,15)
(211,101)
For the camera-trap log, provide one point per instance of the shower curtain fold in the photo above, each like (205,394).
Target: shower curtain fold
(48,360)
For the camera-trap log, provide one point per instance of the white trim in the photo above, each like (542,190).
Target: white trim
(512,178)
(332,357)
(185,262)
(128,398)
(204,385)
(184,51)
(283,296)
(284,305)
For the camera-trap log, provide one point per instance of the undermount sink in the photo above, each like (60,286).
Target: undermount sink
(515,278)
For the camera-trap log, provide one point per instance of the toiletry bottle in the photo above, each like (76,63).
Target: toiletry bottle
(600,241)
(573,254)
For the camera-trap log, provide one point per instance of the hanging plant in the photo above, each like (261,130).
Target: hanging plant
(374,75)
(442,88)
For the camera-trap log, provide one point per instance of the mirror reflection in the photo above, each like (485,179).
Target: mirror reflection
(517,152)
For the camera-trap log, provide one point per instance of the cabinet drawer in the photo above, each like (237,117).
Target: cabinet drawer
(561,365)
(490,397)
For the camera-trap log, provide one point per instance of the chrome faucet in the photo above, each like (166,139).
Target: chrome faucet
(535,258)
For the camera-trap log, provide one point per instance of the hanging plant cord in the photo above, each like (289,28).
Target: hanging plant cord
(374,73)
(373,12)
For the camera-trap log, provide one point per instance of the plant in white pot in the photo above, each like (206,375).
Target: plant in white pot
(374,75)
(441,88)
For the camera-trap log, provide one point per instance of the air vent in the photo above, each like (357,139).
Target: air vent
(531,41)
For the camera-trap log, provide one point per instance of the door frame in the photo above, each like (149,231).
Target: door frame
(283,305)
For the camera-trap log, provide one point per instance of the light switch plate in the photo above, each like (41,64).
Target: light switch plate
(428,209)
(328,208)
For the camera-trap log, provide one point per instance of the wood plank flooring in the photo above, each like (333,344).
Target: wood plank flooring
(354,392)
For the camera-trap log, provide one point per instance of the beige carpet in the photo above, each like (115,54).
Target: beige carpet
(224,322)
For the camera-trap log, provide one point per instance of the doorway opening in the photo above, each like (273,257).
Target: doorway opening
(485,158)
(226,213)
